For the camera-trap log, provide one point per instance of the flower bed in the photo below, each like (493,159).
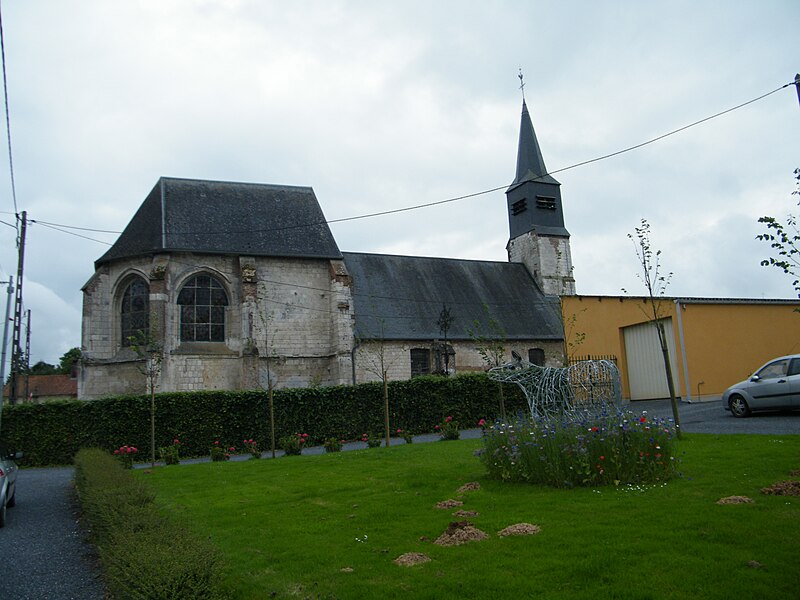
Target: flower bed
(608,449)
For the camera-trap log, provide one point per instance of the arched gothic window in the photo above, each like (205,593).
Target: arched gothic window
(135,311)
(202,301)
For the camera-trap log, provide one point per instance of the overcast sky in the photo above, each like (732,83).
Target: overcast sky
(380,105)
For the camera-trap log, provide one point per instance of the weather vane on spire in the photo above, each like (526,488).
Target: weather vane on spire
(521,84)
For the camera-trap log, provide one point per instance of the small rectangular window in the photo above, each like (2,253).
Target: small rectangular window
(520,206)
(420,362)
(536,356)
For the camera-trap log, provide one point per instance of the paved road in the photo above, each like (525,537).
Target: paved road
(45,556)
(711,417)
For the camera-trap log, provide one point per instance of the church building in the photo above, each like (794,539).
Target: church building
(237,284)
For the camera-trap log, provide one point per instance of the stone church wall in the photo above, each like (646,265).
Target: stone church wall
(397,357)
(297,311)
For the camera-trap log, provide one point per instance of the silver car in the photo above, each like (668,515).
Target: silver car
(774,386)
(8,483)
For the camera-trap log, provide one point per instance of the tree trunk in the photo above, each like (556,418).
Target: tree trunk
(271,415)
(662,338)
(386,407)
(152,425)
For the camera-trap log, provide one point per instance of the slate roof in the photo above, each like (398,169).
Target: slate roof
(216,217)
(402,296)
(530,162)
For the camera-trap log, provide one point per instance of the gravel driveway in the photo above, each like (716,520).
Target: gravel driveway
(45,556)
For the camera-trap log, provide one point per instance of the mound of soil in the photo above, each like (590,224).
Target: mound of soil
(472,486)
(409,559)
(519,529)
(449,503)
(735,500)
(783,488)
(460,532)
(466,513)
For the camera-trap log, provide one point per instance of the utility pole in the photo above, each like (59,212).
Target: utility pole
(27,359)
(5,331)
(16,350)
(5,346)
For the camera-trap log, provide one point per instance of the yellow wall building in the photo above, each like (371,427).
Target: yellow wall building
(713,343)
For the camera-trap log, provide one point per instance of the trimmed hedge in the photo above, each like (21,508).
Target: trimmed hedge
(52,433)
(145,555)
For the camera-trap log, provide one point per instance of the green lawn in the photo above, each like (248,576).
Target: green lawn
(330,526)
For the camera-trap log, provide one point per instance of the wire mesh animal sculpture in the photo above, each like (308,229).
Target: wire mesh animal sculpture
(554,392)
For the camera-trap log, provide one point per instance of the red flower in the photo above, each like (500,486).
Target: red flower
(436,427)
(482,422)
(231,449)
(594,429)
(642,419)
(448,419)
(302,440)
(602,458)
(399,431)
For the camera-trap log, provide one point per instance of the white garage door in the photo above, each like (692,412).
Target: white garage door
(645,361)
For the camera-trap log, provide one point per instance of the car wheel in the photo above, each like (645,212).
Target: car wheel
(13,500)
(739,407)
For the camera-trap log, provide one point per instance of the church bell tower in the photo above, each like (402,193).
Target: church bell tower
(537,236)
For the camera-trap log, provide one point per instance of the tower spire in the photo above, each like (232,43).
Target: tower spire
(530,162)
(537,236)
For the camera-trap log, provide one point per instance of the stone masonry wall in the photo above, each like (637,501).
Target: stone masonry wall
(397,357)
(548,258)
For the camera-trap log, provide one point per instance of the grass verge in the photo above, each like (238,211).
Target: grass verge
(330,526)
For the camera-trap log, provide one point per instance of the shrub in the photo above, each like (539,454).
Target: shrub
(171,454)
(252,447)
(51,433)
(448,429)
(333,444)
(293,444)
(588,451)
(126,454)
(144,554)
(372,442)
(406,435)
(220,453)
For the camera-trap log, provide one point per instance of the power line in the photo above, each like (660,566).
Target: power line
(8,120)
(58,228)
(448,200)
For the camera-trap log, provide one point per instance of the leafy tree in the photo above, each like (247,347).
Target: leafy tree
(784,239)
(68,360)
(655,283)
(41,368)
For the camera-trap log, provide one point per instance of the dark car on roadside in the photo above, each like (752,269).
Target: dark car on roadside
(775,386)
(8,483)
